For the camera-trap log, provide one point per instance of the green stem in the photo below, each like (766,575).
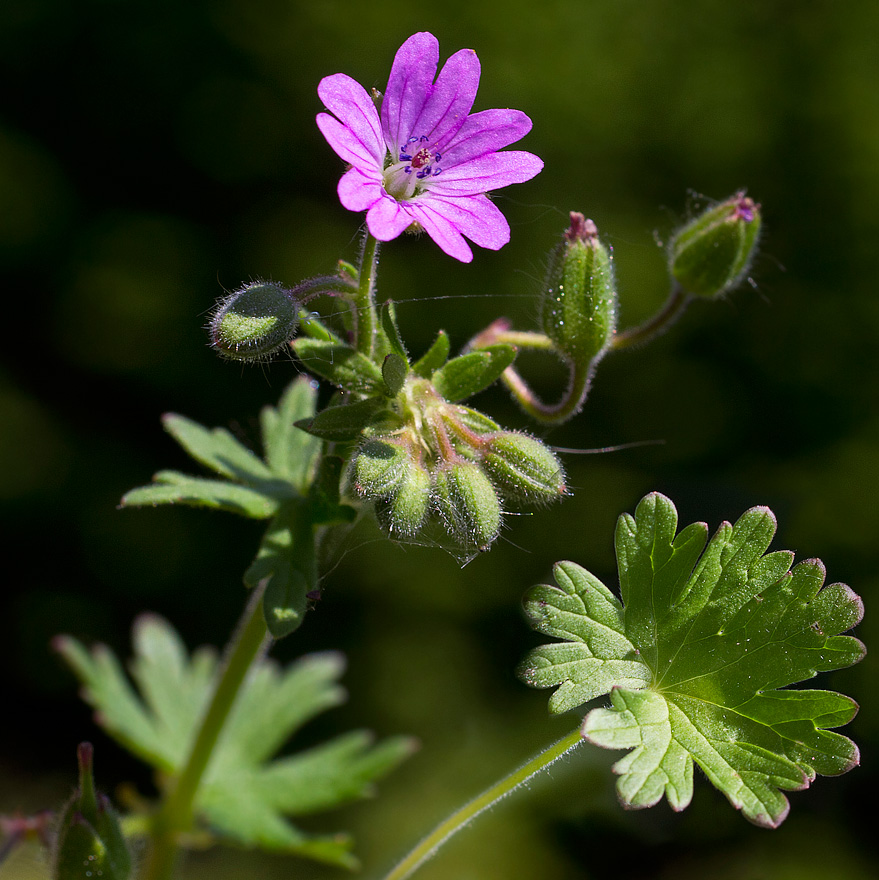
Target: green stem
(364,297)
(674,307)
(571,402)
(488,798)
(175,816)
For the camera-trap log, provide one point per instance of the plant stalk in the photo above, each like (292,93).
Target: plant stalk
(175,816)
(364,297)
(674,307)
(459,819)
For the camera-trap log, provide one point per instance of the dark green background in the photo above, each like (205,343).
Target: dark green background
(153,154)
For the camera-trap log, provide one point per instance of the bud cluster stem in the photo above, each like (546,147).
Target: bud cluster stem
(570,403)
(247,645)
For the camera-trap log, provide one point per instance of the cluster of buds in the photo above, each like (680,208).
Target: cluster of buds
(449,464)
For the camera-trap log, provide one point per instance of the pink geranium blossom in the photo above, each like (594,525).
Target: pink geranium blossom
(426,162)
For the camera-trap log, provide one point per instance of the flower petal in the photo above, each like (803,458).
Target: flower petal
(387,218)
(485,132)
(487,173)
(475,217)
(357,135)
(429,213)
(359,191)
(450,99)
(408,86)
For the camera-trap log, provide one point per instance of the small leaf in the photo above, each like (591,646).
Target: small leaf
(693,659)
(433,358)
(392,332)
(171,487)
(217,449)
(286,562)
(290,452)
(245,797)
(464,376)
(394,370)
(343,422)
(342,365)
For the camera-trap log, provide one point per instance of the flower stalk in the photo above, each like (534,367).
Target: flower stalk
(464,816)
(248,643)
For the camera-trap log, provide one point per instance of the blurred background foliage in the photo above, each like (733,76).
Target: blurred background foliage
(153,154)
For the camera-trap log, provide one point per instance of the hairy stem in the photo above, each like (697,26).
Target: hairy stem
(674,307)
(571,402)
(459,819)
(364,297)
(175,815)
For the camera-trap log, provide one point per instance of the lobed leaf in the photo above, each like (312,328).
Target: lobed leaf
(694,658)
(342,365)
(470,373)
(245,797)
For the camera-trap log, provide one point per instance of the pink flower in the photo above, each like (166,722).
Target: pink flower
(427,162)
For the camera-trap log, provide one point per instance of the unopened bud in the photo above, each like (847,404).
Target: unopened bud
(467,504)
(403,515)
(378,469)
(524,469)
(579,306)
(90,841)
(254,322)
(712,253)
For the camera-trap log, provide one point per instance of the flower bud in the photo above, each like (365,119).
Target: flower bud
(379,468)
(403,516)
(523,469)
(712,253)
(90,841)
(579,306)
(254,322)
(467,504)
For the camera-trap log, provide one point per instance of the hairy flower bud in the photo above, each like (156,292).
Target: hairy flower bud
(523,469)
(467,504)
(712,253)
(90,841)
(379,468)
(254,322)
(579,307)
(404,514)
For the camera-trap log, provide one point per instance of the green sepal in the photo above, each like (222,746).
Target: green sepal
(434,357)
(394,371)
(286,561)
(470,373)
(311,326)
(347,368)
(343,422)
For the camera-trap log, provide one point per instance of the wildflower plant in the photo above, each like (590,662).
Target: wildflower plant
(693,661)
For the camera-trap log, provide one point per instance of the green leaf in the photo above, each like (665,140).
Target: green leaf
(290,452)
(394,370)
(285,560)
(694,658)
(171,487)
(254,488)
(433,358)
(343,422)
(464,376)
(342,365)
(391,331)
(246,797)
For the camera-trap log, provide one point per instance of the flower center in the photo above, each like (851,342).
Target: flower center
(417,162)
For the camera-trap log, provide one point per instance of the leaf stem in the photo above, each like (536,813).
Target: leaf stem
(674,307)
(175,816)
(364,297)
(462,817)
